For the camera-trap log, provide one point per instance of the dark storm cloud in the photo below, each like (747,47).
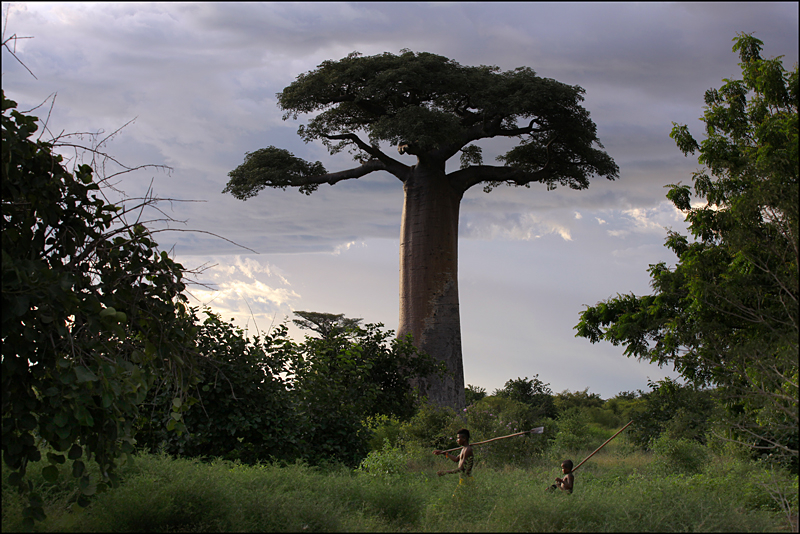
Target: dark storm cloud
(202,78)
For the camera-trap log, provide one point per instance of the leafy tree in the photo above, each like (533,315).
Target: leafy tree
(344,379)
(675,410)
(727,314)
(245,405)
(623,405)
(325,324)
(578,399)
(93,313)
(270,398)
(432,109)
(532,392)
(473,394)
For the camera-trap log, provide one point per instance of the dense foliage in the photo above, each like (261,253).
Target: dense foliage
(432,107)
(532,392)
(92,314)
(727,313)
(241,405)
(270,398)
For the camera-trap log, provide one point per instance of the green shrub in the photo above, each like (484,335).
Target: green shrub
(493,417)
(383,427)
(390,460)
(430,427)
(678,455)
(576,433)
(605,417)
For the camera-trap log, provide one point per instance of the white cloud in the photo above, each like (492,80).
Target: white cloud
(346,246)
(245,289)
(512,226)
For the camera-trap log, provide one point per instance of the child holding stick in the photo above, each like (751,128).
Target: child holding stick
(566,483)
(465,458)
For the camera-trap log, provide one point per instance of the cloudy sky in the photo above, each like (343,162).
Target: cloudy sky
(201,79)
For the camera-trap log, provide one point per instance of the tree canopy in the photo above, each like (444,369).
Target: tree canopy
(325,324)
(727,313)
(431,107)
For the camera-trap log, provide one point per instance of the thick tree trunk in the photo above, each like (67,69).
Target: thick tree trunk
(429,279)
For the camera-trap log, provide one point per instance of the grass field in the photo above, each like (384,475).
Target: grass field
(616,491)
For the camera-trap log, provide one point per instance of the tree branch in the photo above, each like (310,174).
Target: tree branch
(334,177)
(466,178)
(391,165)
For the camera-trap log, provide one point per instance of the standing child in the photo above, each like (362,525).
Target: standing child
(465,459)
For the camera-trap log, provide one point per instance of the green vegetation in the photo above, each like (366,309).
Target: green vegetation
(727,314)
(93,315)
(616,491)
(102,361)
(269,398)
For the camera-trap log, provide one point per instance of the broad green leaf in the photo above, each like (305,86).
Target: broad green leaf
(78,468)
(85,375)
(50,473)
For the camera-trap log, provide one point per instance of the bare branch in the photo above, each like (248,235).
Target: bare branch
(14,38)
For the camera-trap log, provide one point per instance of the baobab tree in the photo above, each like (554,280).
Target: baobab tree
(431,108)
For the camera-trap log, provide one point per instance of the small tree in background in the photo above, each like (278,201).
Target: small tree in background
(532,392)
(325,324)
(342,380)
(577,399)
(473,394)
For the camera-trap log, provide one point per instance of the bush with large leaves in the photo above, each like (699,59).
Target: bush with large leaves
(92,314)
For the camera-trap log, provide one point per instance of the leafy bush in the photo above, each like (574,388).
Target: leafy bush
(244,406)
(269,398)
(604,417)
(390,460)
(93,314)
(575,433)
(473,394)
(431,427)
(679,455)
(683,411)
(383,428)
(532,392)
(567,400)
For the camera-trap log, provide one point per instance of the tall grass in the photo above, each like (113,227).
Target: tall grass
(618,490)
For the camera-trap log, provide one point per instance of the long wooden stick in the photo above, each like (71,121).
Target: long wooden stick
(538,430)
(601,446)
